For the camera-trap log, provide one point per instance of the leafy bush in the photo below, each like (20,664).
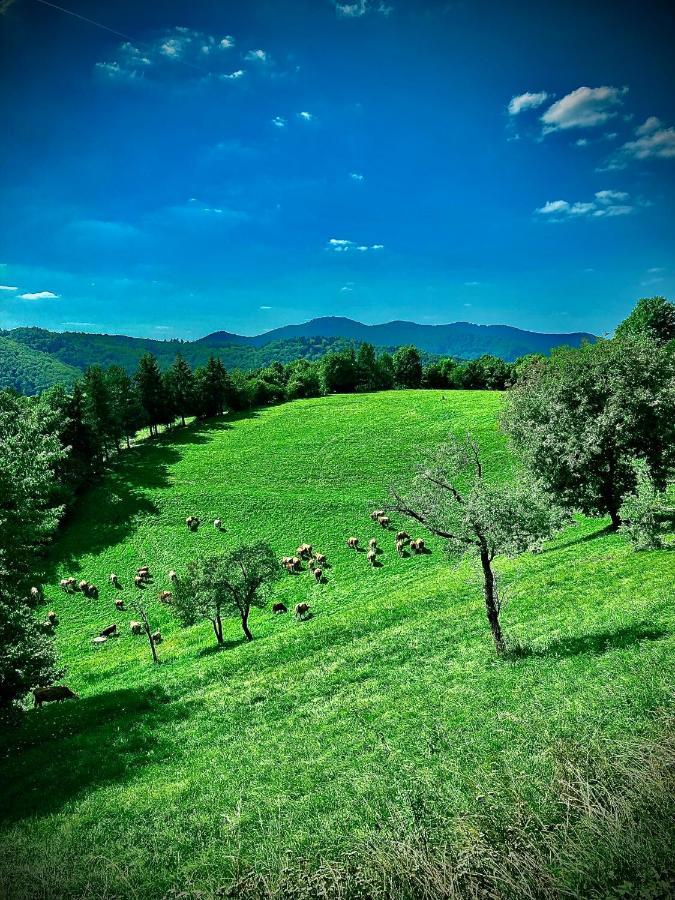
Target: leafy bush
(641,509)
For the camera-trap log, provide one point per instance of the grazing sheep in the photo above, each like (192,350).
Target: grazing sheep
(320,558)
(119,604)
(65,584)
(384,521)
(217,524)
(52,618)
(304,551)
(54,694)
(84,586)
(99,640)
(109,631)
(279,608)
(156,637)
(114,580)
(402,536)
(173,576)
(165,596)
(376,514)
(192,523)
(139,581)
(372,543)
(35,593)
(417,546)
(296,563)
(144,572)
(286,560)
(135,627)
(301,610)
(318,575)
(372,557)
(400,547)
(47,627)
(353,543)
(92,592)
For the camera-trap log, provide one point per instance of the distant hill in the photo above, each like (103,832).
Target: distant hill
(460,339)
(32,359)
(30,371)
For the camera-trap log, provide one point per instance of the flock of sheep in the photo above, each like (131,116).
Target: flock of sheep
(316,565)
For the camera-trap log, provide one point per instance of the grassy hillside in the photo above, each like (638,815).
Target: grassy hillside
(31,371)
(386,710)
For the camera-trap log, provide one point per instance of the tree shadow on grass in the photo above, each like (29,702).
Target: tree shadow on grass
(602,532)
(597,643)
(213,649)
(63,750)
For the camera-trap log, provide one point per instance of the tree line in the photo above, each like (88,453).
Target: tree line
(593,426)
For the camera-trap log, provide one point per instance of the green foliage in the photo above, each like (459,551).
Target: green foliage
(27,652)
(29,455)
(580,419)
(653,317)
(152,391)
(181,387)
(30,371)
(408,367)
(641,510)
(213,388)
(339,373)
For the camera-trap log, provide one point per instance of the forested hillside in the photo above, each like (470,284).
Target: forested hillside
(30,371)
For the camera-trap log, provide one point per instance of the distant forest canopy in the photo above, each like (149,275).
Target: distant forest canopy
(52,358)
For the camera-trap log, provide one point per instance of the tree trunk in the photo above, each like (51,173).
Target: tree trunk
(244,625)
(182,420)
(490,602)
(155,658)
(218,628)
(615,517)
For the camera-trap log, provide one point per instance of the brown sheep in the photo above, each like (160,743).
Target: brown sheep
(296,563)
(318,575)
(139,581)
(92,592)
(165,596)
(156,637)
(54,694)
(173,576)
(417,546)
(376,514)
(52,618)
(119,604)
(109,631)
(320,558)
(402,536)
(135,627)
(372,557)
(286,561)
(304,551)
(353,543)
(372,543)
(301,610)
(279,608)
(84,586)
(384,521)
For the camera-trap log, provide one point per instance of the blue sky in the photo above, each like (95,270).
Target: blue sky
(241,165)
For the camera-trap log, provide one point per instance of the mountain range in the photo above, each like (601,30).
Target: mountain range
(32,359)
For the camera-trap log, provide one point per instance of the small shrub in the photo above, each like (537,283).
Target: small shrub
(640,511)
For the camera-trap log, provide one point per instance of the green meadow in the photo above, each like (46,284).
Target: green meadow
(386,712)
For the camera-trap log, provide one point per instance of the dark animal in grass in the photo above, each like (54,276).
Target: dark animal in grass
(156,637)
(402,536)
(192,523)
(353,543)
(139,581)
(320,558)
(304,551)
(165,596)
(400,547)
(109,631)
(384,521)
(52,617)
(173,576)
(54,694)
(35,593)
(372,543)
(114,580)
(217,524)
(376,514)
(301,610)
(318,575)
(135,627)
(279,608)
(372,557)
(92,592)
(119,604)
(84,586)
(417,546)
(47,627)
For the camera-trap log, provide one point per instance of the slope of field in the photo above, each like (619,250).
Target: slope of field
(295,748)
(31,371)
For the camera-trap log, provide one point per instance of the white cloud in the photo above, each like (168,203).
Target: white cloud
(257,56)
(582,142)
(7,287)
(265,307)
(279,121)
(608,204)
(526,101)
(656,270)
(356,176)
(377,247)
(340,245)
(583,108)
(652,141)
(226,42)
(233,76)
(358,8)
(307,116)
(40,295)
